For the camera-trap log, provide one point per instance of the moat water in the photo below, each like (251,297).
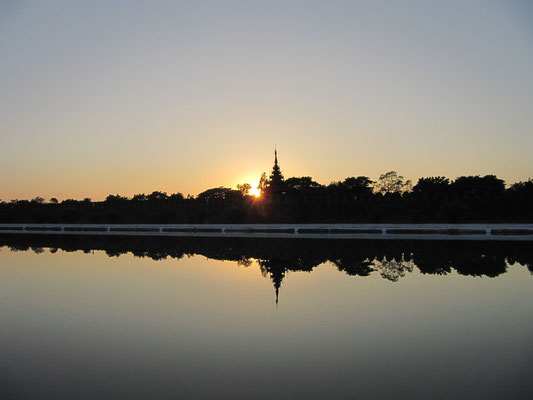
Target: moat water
(139,318)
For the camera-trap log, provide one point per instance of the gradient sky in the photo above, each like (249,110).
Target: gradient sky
(127,97)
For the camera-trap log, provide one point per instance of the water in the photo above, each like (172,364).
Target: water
(109,318)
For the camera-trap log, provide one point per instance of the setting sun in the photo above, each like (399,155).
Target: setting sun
(255,191)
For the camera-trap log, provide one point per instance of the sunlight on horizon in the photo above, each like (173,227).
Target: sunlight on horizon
(255,191)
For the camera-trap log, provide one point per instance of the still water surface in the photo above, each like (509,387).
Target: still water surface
(149,319)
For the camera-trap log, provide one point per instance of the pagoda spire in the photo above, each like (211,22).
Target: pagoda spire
(276,181)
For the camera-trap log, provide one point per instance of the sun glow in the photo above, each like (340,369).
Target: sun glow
(255,191)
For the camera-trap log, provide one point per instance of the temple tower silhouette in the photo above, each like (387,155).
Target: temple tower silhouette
(276,180)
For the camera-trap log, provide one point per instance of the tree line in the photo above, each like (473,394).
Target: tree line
(391,198)
(391,259)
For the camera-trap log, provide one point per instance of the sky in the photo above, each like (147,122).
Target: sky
(101,97)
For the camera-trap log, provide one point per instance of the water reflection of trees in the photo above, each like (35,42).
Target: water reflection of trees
(392,260)
(393,270)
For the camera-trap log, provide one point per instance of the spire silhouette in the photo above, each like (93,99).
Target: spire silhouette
(276,182)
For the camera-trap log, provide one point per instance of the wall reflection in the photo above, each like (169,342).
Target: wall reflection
(276,257)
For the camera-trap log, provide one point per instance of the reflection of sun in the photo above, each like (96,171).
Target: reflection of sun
(255,191)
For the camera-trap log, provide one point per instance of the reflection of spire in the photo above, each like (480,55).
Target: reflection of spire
(276,271)
(277,276)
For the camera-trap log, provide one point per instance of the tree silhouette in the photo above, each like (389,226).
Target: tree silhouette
(157,196)
(467,199)
(112,198)
(263,182)
(139,197)
(360,187)
(302,183)
(391,182)
(432,188)
(477,187)
(176,196)
(523,188)
(244,189)
(219,193)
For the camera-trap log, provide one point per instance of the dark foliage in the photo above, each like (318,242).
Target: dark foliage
(300,200)
(276,257)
